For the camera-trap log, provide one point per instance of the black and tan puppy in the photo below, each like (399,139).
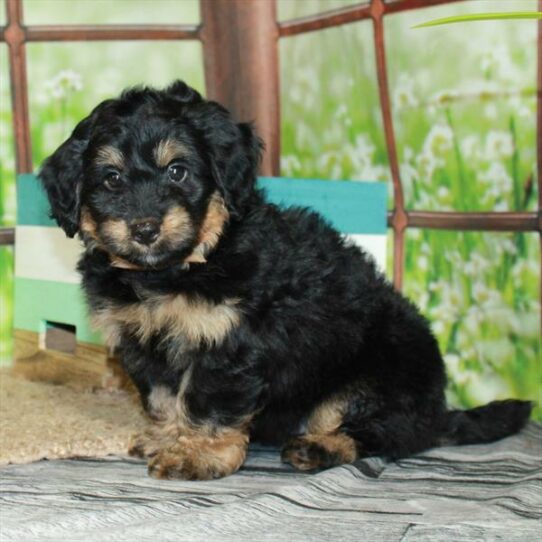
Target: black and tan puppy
(235,319)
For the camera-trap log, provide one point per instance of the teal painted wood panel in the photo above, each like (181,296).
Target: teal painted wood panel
(32,204)
(352,207)
(39,300)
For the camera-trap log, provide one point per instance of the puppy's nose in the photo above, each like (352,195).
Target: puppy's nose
(146,231)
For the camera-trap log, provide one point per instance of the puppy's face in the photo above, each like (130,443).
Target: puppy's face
(153,177)
(148,188)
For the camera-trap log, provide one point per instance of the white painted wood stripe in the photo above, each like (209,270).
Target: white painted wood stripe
(374,244)
(45,253)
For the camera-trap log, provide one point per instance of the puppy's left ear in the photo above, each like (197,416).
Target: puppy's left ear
(62,175)
(236,165)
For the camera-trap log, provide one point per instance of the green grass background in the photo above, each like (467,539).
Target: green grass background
(464,112)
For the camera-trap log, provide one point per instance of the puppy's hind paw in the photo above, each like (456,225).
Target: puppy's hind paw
(310,452)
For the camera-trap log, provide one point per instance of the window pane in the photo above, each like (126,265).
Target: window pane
(481,293)
(465,108)
(67,80)
(330,111)
(111,12)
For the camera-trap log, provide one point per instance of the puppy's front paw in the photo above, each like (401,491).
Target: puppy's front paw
(197,458)
(142,445)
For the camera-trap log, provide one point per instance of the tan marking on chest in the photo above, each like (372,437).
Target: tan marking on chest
(194,320)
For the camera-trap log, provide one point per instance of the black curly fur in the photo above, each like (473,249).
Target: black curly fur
(317,317)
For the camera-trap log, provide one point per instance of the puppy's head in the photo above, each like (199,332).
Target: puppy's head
(153,176)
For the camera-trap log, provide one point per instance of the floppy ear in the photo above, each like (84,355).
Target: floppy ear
(237,155)
(62,175)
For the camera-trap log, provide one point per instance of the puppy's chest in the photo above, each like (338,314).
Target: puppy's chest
(189,322)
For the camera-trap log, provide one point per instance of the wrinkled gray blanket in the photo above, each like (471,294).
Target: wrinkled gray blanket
(487,492)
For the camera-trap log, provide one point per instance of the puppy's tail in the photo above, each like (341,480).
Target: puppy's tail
(487,423)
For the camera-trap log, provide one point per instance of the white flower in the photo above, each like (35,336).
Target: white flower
(437,285)
(444,97)
(523,268)
(423,263)
(364,148)
(487,386)
(473,319)
(470,146)
(341,111)
(499,144)
(490,111)
(437,327)
(484,296)
(501,206)
(305,137)
(527,325)
(403,96)
(289,164)
(408,154)
(498,178)
(502,245)
(427,164)
(477,264)
(63,84)
(443,192)
(409,176)
(439,140)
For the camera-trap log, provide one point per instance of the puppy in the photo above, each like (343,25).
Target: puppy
(235,319)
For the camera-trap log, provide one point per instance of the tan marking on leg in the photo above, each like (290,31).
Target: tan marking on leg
(161,403)
(323,445)
(328,416)
(309,452)
(177,448)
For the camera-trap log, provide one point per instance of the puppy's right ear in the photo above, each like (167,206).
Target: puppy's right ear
(62,175)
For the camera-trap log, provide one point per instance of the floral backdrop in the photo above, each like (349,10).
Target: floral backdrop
(464,113)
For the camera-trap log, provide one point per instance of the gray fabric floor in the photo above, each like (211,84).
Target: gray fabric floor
(470,493)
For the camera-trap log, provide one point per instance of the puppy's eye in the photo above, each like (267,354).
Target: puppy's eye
(112,180)
(177,173)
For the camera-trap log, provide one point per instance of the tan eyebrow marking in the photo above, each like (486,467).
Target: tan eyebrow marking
(167,150)
(109,156)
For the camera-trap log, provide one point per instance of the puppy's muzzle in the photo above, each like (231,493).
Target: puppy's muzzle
(145,231)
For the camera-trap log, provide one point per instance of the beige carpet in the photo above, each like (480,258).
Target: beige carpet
(39,420)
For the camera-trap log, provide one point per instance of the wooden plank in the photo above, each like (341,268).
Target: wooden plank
(486,492)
